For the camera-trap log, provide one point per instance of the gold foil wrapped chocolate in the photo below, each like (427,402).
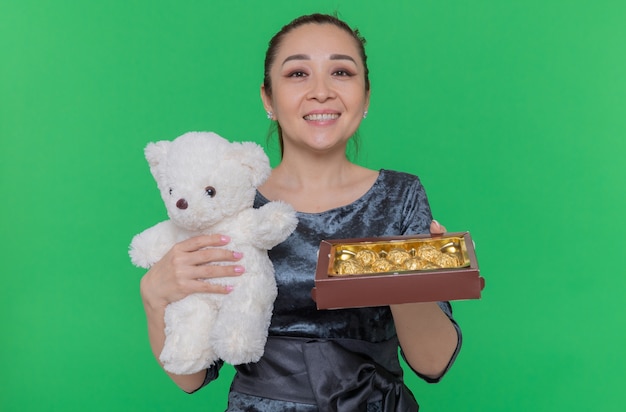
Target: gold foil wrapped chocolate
(376,258)
(366,257)
(349,267)
(415,263)
(445,260)
(429,253)
(398,256)
(381,265)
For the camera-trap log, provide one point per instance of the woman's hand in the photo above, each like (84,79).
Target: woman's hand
(184,268)
(437,228)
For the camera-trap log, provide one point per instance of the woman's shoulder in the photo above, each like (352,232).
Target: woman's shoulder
(395,177)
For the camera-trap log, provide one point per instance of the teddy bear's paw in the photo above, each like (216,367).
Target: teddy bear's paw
(240,349)
(149,246)
(142,258)
(238,356)
(186,367)
(277,220)
(282,214)
(186,363)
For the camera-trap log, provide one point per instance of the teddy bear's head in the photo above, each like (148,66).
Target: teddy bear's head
(204,178)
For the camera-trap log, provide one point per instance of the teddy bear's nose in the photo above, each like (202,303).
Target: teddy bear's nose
(182,204)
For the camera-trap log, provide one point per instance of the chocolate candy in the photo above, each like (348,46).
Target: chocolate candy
(447,261)
(415,263)
(391,258)
(366,257)
(382,265)
(398,256)
(428,252)
(349,267)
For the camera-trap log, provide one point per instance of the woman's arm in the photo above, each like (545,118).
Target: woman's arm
(179,273)
(427,336)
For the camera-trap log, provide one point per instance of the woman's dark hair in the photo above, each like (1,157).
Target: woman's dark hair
(276,41)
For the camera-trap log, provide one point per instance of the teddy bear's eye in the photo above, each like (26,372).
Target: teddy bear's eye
(210,190)
(171,190)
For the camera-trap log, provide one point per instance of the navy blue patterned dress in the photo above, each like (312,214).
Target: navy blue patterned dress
(395,205)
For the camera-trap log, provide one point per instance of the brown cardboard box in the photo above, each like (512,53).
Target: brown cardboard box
(334,289)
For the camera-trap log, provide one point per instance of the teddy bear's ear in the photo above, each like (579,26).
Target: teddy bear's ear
(253,156)
(155,153)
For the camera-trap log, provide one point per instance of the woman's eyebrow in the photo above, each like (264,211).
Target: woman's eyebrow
(296,57)
(342,57)
(307,57)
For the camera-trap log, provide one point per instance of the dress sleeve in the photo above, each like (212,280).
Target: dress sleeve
(416,214)
(212,374)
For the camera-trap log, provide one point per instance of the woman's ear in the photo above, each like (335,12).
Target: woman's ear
(267,101)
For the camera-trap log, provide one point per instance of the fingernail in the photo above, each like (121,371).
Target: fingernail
(237,255)
(224,238)
(229,288)
(437,223)
(239,269)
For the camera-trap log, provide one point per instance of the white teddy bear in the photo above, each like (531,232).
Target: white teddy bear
(208,185)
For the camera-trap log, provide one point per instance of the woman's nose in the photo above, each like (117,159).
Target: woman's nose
(321,89)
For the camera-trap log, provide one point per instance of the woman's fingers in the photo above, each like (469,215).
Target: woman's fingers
(212,255)
(213,270)
(437,228)
(200,242)
(208,287)
(203,250)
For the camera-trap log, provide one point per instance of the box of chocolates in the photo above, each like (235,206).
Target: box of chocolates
(392,270)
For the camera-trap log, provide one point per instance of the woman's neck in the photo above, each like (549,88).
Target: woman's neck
(318,184)
(313,174)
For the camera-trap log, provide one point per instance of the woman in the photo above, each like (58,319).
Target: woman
(316,88)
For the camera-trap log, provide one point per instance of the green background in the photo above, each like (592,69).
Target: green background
(513,113)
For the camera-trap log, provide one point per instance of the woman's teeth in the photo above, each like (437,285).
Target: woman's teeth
(321,116)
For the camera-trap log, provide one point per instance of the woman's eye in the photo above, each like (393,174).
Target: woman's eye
(342,73)
(297,74)
(210,191)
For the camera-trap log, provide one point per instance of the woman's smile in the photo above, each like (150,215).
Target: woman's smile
(321,117)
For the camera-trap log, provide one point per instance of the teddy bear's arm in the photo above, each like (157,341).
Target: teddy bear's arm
(149,246)
(272,223)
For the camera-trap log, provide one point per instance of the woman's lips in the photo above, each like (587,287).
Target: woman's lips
(320,117)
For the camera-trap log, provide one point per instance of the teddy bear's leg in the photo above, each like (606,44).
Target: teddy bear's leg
(188,323)
(240,331)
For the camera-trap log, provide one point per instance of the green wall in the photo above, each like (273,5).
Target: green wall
(512,112)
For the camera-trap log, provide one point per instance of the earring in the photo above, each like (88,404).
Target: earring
(270,115)
(365,114)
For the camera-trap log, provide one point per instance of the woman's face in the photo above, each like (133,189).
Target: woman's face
(318,88)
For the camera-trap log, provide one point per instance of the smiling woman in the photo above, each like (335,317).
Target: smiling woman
(318,97)
(346,33)
(317,90)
